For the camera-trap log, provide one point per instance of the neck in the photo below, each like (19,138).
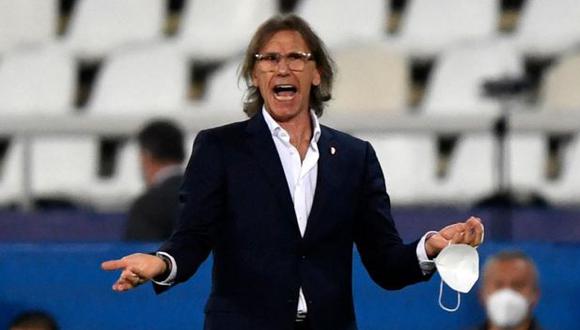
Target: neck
(299,128)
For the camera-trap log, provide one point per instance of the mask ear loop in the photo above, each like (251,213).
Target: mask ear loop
(447,309)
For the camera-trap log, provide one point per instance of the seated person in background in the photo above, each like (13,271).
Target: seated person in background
(33,320)
(510,291)
(152,215)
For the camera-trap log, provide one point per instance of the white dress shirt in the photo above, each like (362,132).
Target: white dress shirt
(300,175)
(301,178)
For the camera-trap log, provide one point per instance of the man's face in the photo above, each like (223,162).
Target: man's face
(515,274)
(286,92)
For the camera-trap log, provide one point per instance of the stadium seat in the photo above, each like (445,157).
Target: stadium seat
(370,79)
(224,92)
(527,161)
(566,189)
(456,84)
(346,22)
(117,192)
(213,30)
(37,82)
(430,27)
(548,27)
(12,174)
(529,150)
(409,164)
(560,87)
(141,80)
(63,167)
(99,26)
(472,171)
(26,22)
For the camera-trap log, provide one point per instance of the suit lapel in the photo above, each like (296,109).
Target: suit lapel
(261,144)
(327,179)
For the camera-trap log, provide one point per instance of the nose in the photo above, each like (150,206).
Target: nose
(282,67)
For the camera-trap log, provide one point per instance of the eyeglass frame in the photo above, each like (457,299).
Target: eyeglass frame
(299,57)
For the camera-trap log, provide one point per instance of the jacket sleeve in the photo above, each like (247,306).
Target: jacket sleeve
(202,200)
(389,262)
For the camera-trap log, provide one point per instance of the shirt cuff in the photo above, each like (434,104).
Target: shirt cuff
(427,265)
(171,278)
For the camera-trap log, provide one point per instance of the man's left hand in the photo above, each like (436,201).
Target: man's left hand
(469,232)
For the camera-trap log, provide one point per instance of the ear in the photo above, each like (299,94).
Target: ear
(316,79)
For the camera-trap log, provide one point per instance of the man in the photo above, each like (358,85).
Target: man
(510,292)
(279,200)
(152,215)
(33,320)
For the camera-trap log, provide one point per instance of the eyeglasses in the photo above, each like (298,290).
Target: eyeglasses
(268,62)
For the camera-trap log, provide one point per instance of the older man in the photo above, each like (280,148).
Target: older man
(280,200)
(510,291)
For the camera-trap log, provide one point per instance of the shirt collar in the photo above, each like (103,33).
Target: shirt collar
(166,172)
(277,130)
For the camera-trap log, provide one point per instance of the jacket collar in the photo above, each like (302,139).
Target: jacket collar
(262,146)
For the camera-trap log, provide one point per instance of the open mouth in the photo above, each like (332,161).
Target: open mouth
(284,91)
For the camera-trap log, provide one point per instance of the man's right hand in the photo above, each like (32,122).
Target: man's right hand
(137,269)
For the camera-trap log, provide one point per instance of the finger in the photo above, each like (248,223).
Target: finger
(114,264)
(468,235)
(457,238)
(122,284)
(476,227)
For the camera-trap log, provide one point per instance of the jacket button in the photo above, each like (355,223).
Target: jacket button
(303,257)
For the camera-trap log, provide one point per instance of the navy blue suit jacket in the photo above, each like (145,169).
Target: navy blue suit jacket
(236,204)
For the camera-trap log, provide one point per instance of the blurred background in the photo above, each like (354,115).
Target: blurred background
(473,107)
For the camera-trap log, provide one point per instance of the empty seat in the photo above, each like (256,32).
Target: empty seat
(344,22)
(456,84)
(560,90)
(37,81)
(429,27)
(25,22)
(216,29)
(63,166)
(370,79)
(409,164)
(548,27)
(115,193)
(12,188)
(146,80)
(566,189)
(224,92)
(472,173)
(527,158)
(99,26)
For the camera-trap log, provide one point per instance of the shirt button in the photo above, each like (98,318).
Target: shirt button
(303,257)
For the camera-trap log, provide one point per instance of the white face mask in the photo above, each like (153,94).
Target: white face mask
(507,308)
(458,265)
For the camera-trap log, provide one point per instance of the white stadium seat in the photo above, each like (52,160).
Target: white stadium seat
(99,26)
(370,79)
(548,27)
(143,79)
(12,189)
(456,84)
(213,30)
(37,82)
(27,22)
(430,27)
(346,22)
